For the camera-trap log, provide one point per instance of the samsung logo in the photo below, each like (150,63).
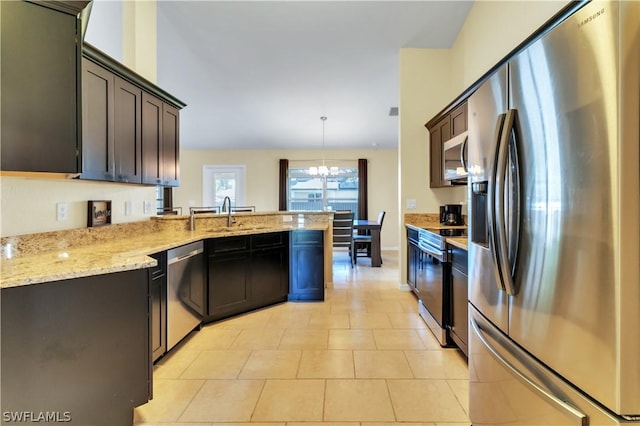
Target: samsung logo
(590,18)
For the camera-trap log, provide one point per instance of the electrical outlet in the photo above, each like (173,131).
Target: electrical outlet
(146,207)
(127,208)
(287,218)
(62,211)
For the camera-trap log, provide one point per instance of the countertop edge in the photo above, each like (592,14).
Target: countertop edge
(100,259)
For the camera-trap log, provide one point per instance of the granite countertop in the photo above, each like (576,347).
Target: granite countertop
(126,250)
(432,221)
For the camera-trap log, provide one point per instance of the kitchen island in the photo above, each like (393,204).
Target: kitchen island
(76,311)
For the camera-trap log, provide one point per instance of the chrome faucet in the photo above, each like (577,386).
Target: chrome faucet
(224,203)
(192,220)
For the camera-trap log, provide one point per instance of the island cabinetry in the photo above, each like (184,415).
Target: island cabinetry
(306,266)
(269,268)
(77,347)
(229,276)
(158,292)
(459,298)
(40,113)
(130,127)
(247,272)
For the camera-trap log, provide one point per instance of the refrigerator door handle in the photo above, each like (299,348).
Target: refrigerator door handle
(506,265)
(579,415)
(491,203)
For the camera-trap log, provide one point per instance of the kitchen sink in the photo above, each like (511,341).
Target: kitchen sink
(226,229)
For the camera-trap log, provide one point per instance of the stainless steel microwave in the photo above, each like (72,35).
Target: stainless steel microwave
(455,158)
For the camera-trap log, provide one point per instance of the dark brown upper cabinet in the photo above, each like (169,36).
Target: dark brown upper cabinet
(160,142)
(127,132)
(441,129)
(131,128)
(40,51)
(98,159)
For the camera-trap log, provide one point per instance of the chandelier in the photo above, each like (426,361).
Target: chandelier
(323,170)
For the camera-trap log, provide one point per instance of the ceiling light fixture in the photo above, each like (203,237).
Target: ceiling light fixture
(323,170)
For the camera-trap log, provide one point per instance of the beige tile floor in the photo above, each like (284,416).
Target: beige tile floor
(363,357)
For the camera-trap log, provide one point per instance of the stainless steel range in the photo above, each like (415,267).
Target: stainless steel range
(433,285)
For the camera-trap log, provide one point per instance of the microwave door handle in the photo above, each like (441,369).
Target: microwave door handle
(463,153)
(501,189)
(491,205)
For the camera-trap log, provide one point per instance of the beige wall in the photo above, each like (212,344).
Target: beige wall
(28,205)
(492,29)
(430,79)
(262,179)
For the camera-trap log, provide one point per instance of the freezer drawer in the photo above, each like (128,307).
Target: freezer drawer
(509,387)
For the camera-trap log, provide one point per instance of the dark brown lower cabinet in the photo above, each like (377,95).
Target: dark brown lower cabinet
(77,348)
(158,292)
(246,272)
(459,298)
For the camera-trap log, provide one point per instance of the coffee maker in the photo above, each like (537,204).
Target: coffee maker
(451,215)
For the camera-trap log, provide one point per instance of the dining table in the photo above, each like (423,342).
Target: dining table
(373,227)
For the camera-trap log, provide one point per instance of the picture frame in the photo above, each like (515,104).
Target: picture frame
(98,213)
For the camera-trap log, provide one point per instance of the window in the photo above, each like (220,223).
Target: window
(223,181)
(318,193)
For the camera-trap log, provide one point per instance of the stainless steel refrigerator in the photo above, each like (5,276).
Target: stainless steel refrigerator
(554,193)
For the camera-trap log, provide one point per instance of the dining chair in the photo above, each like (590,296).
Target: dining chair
(362,243)
(343,231)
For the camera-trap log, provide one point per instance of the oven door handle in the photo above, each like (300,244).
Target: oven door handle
(438,254)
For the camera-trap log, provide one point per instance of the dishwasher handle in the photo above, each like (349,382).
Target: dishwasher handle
(192,253)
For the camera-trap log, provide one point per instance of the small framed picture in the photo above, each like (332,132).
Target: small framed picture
(98,213)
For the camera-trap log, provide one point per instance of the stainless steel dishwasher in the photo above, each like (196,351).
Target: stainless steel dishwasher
(185,291)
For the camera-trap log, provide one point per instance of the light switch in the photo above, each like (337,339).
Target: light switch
(127,208)
(412,204)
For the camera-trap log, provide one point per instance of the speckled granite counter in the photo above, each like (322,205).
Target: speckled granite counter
(54,256)
(432,220)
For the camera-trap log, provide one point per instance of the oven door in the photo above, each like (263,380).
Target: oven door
(432,288)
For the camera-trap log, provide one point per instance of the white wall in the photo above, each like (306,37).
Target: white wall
(262,168)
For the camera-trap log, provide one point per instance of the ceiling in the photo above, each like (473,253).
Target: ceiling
(260,74)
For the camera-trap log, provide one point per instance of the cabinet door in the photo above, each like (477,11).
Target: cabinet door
(306,269)
(440,133)
(412,265)
(158,292)
(459,120)
(98,159)
(151,139)
(127,135)
(269,278)
(459,327)
(229,284)
(459,298)
(40,113)
(170,145)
